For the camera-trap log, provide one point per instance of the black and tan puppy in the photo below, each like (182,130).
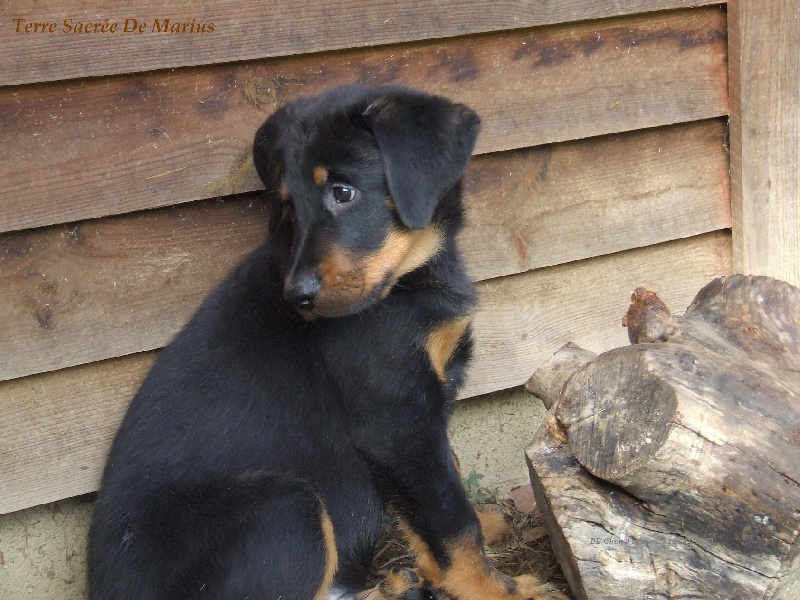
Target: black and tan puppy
(315,383)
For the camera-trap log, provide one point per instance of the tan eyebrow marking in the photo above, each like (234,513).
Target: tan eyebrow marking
(320,175)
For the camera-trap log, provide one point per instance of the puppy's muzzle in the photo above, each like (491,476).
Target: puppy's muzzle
(302,290)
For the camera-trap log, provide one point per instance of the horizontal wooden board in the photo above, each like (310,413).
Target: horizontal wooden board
(68,418)
(251,29)
(524,319)
(98,147)
(128,283)
(57,427)
(100,289)
(557,203)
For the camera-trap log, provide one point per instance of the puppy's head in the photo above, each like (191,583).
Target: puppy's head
(356,176)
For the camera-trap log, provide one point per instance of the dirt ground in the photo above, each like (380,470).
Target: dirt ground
(43,549)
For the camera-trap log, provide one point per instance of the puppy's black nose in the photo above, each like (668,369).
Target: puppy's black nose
(302,291)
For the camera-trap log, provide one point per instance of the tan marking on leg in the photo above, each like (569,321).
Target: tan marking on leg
(398,582)
(493,526)
(332,558)
(320,175)
(394,587)
(443,341)
(427,564)
(456,461)
(470,575)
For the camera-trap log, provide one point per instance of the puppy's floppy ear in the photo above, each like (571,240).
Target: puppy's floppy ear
(264,157)
(268,166)
(425,142)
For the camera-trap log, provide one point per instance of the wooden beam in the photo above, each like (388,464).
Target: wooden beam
(249,29)
(129,283)
(58,426)
(765,137)
(97,147)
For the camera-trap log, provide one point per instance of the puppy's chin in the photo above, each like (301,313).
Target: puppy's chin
(308,315)
(335,310)
(333,307)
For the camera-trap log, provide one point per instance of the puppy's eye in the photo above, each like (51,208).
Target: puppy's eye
(342,194)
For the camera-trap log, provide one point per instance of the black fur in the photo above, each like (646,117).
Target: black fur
(260,413)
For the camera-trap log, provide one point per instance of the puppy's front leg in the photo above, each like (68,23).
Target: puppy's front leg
(494,528)
(444,532)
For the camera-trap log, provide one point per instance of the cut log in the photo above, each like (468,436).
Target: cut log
(612,547)
(700,425)
(550,379)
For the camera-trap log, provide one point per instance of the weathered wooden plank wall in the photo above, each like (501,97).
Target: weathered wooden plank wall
(602,166)
(128,143)
(251,29)
(129,283)
(61,423)
(765,137)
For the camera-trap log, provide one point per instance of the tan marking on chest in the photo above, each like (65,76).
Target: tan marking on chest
(443,341)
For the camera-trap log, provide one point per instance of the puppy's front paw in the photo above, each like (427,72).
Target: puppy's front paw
(401,584)
(494,528)
(529,587)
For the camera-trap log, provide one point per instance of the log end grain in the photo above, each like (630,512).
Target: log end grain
(617,413)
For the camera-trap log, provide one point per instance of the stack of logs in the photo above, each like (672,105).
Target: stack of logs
(671,468)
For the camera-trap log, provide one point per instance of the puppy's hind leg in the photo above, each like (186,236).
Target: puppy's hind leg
(264,538)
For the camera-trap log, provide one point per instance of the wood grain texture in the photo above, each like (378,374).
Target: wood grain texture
(83,292)
(700,429)
(524,319)
(98,147)
(59,425)
(66,421)
(130,282)
(609,544)
(562,202)
(253,29)
(765,137)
